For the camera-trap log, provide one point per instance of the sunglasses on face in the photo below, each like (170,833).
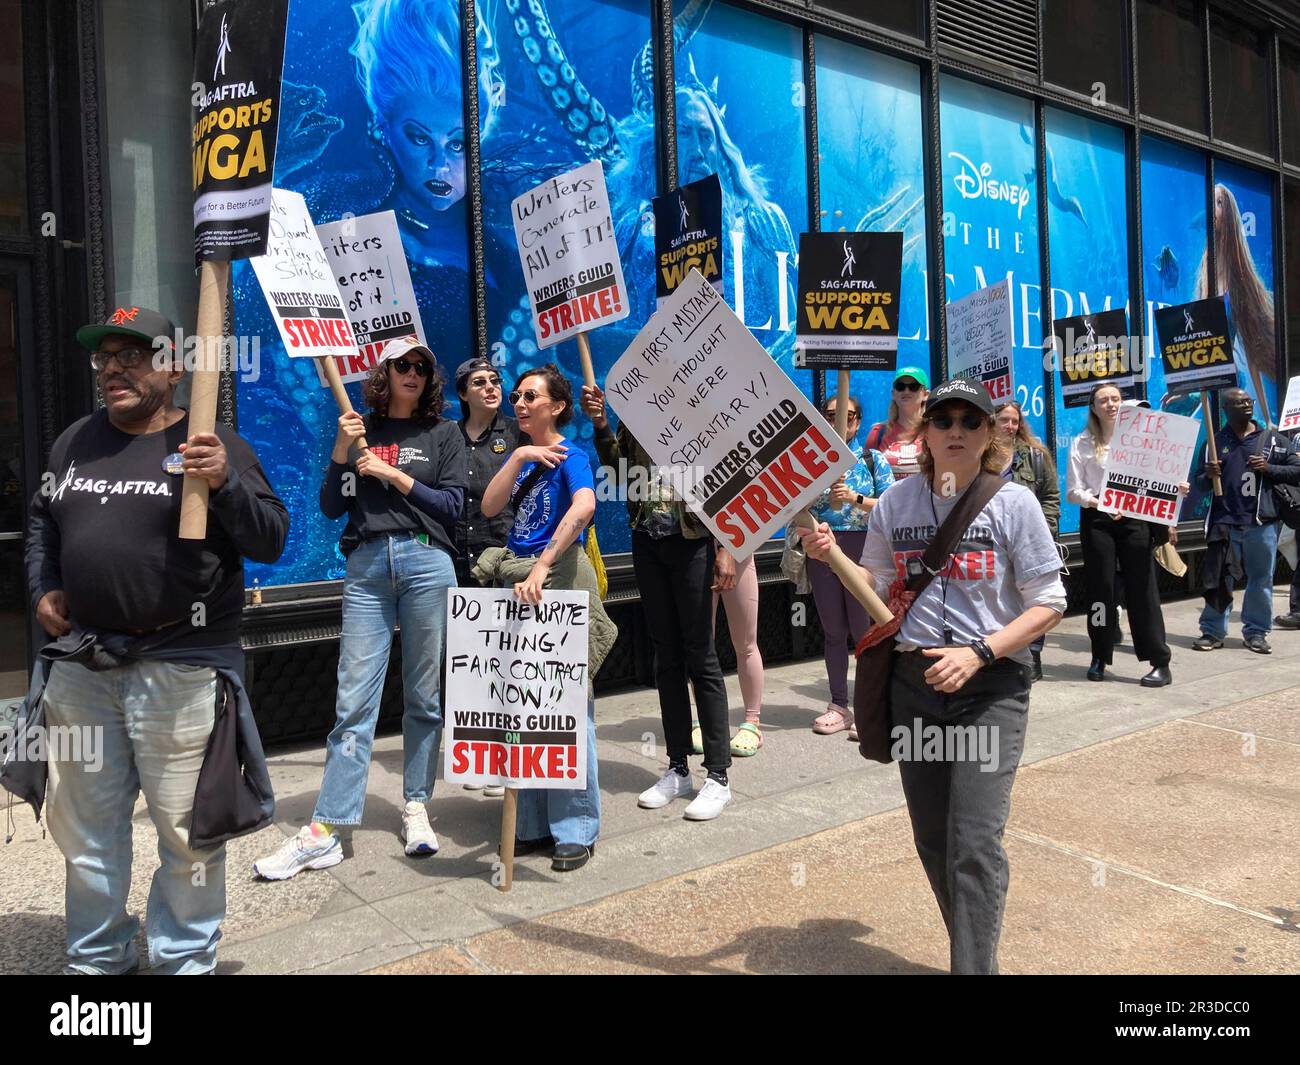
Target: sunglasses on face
(829,415)
(528,395)
(127,358)
(970,421)
(485,382)
(405,366)
(907,386)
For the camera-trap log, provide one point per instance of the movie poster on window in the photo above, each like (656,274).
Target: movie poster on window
(688,235)
(1151,454)
(980,342)
(1089,349)
(848,300)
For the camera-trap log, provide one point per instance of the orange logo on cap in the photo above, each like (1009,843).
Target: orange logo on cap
(121,316)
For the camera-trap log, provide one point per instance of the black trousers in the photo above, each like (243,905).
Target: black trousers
(675,576)
(1124,543)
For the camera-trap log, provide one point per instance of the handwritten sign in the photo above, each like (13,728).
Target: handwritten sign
(740,443)
(516,692)
(1150,455)
(570,259)
(980,341)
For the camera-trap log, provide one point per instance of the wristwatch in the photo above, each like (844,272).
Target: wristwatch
(861,500)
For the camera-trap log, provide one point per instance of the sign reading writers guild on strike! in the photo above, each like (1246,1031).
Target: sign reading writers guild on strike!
(1195,347)
(516,695)
(688,235)
(848,300)
(369,266)
(1291,408)
(299,286)
(1090,349)
(740,442)
(570,258)
(1150,455)
(235,113)
(980,342)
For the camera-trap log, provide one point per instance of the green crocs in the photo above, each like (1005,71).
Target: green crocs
(747,741)
(697,740)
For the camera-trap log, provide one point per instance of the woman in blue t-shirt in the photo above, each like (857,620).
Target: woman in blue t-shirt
(554,497)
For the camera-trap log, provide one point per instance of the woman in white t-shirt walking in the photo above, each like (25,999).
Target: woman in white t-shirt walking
(961,671)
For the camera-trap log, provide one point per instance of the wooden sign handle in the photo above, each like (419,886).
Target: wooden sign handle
(1261,397)
(584,353)
(1210,454)
(214,281)
(842,405)
(850,575)
(330,372)
(509,813)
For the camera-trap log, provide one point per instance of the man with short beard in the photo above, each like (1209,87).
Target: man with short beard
(146,641)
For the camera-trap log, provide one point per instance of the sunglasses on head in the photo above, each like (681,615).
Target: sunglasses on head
(970,421)
(529,395)
(405,366)
(907,385)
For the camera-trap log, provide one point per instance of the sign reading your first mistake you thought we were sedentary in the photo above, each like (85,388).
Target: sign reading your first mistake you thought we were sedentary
(1150,455)
(740,442)
(565,233)
(516,694)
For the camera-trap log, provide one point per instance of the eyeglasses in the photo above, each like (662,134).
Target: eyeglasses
(405,366)
(907,386)
(829,415)
(529,396)
(485,382)
(970,421)
(127,358)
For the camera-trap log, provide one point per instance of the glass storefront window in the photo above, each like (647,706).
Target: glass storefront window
(13,132)
(1239,62)
(905,16)
(1085,49)
(13,577)
(1171,62)
(1291,200)
(1289,90)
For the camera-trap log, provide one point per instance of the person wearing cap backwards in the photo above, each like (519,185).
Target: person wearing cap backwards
(899,436)
(962,656)
(489,438)
(403,496)
(146,629)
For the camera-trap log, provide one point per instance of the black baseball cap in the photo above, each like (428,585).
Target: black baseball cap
(959,389)
(470,366)
(138,322)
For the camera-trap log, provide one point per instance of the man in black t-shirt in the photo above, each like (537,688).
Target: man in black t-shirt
(104,558)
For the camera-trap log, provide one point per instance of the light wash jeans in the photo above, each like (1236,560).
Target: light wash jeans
(152,721)
(1256,546)
(389,579)
(566,815)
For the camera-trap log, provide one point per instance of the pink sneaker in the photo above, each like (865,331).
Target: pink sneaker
(836,719)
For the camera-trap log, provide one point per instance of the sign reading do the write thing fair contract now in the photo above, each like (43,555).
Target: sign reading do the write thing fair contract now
(738,441)
(1150,455)
(515,704)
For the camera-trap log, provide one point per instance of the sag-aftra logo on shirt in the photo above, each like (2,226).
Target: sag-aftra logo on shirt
(104,488)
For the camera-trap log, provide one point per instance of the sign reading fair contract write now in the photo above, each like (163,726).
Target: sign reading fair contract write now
(742,445)
(1150,455)
(516,695)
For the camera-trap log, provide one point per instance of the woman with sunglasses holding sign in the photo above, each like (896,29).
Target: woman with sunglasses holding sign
(899,436)
(550,485)
(402,496)
(961,658)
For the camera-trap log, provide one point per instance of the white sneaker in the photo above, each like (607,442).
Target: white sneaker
(417,833)
(306,850)
(710,802)
(473,787)
(672,785)
(494,791)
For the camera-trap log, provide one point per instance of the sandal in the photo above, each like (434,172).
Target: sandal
(747,741)
(697,740)
(836,719)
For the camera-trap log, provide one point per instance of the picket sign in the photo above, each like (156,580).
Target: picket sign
(214,281)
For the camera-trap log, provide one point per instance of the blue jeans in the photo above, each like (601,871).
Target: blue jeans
(143,727)
(567,815)
(390,579)
(1256,546)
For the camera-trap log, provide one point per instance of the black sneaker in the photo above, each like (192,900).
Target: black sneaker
(1258,644)
(1288,621)
(1207,643)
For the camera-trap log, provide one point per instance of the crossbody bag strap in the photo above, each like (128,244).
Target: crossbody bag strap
(526,485)
(973,500)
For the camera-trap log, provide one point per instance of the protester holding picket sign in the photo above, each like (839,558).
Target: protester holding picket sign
(403,497)
(550,486)
(1031,464)
(1111,542)
(899,436)
(844,507)
(1241,529)
(961,666)
(677,566)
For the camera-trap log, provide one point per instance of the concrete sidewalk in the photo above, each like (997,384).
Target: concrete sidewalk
(1151,831)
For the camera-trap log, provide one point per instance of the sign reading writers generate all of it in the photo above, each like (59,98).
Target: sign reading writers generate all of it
(1150,455)
(744,447)
(848,300)
(569,255)
(516,695)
